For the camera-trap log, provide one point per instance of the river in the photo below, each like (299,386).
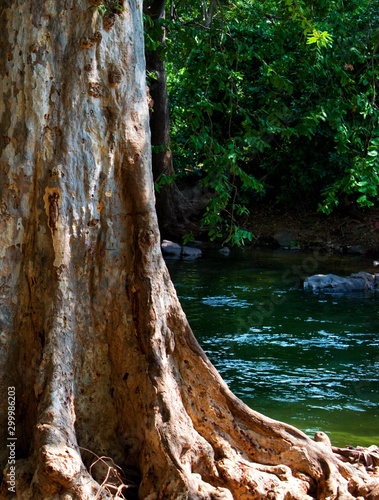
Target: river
(311,361)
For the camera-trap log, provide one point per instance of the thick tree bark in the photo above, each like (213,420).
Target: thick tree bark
(93,341)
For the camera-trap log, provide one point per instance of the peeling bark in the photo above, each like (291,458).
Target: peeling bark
(112,391)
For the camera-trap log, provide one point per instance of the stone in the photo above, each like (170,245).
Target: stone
(191,253)
(171,249)
(224,251)
(333,284)
(176,251)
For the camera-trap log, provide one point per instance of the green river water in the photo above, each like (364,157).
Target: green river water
(311,361)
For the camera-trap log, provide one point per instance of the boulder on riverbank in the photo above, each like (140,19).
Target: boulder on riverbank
(176,251)
(333,284)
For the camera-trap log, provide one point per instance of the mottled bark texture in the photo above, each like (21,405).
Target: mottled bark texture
(93,338)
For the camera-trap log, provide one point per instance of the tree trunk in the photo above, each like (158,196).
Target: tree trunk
(173,209)
(104,387)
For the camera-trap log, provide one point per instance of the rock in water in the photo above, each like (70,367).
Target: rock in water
(333,284)
(171,249)
(174,250)
(191,253)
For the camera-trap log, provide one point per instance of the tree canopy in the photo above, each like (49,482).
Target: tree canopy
(275,101)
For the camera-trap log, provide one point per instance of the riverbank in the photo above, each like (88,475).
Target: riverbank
(350,231)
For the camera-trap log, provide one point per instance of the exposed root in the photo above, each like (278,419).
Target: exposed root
(368,457)
(110,476)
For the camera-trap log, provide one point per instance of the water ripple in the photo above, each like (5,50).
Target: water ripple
(311,361)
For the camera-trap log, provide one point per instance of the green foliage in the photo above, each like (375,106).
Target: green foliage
(188,238)
(163,180)
(153,34)
(320,38)
(274,100)
(108,7)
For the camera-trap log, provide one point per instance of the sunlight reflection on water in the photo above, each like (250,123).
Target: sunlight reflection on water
(311,361)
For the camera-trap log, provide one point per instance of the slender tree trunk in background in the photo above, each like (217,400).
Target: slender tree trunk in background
(208,12)
(96,355)
(172,207)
